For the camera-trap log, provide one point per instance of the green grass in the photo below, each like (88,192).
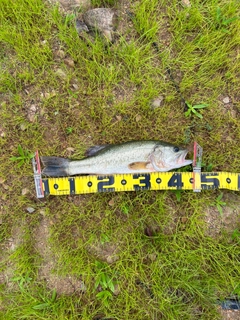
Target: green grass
(175,269)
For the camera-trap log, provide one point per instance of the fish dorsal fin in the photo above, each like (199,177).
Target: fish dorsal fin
(95,149)
(140,165)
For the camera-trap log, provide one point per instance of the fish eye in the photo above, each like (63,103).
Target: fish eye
(175,149)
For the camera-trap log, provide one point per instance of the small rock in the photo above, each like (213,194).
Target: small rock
(81,27)
(119,118)
(186,3)
(184,220)
(24,191)
(69,62)
(30,209)
(75,86)
(152,256)
(5,186)
(117,290)
(70,150)
(32,113)
(113,258)
(23,126)
(61,74)
(49,95)
(60,53)
(105,20)
(156,103)
(111,202)
(2,133)
(138,118)
(42,212)
(226,100)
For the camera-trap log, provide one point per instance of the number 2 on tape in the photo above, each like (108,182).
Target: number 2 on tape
(108,181)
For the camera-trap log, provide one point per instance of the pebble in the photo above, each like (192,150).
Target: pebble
(119,118)
(104,20)
(32,113)
(111,202)
(49,95)
(75,86)
(138,118)
(152,256)
(70,150)
(186,3)
(25,191)
(61,74)
(156,103)
(2,133)
(60,53)
(23,126)
(69,62)
(226,100)
(30,209)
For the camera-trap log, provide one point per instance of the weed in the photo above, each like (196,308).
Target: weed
(47,302)
(222,22)
(219,203)
(24,156)
(103,279)
(69,130)
(21,281)
(192,109)
(236,234)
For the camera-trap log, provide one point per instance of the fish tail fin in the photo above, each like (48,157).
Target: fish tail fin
(55,166)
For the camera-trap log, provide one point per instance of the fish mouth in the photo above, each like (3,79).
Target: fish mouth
(182,160)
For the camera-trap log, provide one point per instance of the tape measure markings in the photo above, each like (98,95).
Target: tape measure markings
(147,181)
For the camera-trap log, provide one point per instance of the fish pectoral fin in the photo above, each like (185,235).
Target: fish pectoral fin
(140,166)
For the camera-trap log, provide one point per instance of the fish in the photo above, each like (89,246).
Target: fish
(128,157)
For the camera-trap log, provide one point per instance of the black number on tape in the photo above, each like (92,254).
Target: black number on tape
(46,186)
(107,183)
(176,181)
(142,178)
(209,182)
(72,185)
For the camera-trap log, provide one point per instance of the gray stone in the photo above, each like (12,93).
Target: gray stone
(156,103)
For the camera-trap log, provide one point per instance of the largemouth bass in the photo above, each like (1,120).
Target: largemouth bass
(128,157)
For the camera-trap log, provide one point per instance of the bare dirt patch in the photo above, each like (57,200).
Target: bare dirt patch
(228,221)
(62,284)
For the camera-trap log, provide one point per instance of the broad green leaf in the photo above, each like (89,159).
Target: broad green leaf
(228,21)
(200,106)
(20,151)
(54,295)
(198,115)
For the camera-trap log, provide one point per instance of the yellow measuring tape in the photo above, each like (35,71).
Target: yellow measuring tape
(146,181)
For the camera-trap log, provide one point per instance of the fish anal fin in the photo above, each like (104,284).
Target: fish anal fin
(140,166)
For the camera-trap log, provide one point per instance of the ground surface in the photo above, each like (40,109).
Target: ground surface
(138,255)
